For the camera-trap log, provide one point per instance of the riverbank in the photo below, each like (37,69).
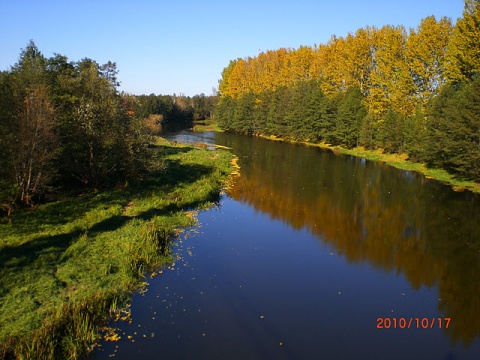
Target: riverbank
(206,125)
(395,160)
(68,264)
(401,162)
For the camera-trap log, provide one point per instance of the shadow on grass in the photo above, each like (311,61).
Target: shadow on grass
(26,254)
(16,257)
(169,150)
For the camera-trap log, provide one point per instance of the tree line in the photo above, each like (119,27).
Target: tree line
(174,111)
(64,125)
(412,92)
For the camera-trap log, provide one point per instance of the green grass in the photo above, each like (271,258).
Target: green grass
(67,264)
(206,125)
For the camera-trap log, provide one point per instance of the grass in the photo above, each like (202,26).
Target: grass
(68,264)
(206,125)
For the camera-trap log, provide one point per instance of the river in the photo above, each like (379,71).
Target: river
(313,255)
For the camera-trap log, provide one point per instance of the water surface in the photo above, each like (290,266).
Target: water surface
(304,254)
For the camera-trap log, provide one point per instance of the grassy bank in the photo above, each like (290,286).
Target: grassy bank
(206,125)
(67,264)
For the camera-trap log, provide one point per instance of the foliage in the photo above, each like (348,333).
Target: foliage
(176,112)
(454,132)
(463,60)
(64,123)
(404,92)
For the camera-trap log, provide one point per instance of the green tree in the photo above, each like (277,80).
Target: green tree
(368,132)
(329,116)
(243,117)
(391,132)
(277,122)
(415,134)
(262,103)
(32,125)
(351,112)
(98,139)
(8,188)
(315,104)
(224,112)
(454,130)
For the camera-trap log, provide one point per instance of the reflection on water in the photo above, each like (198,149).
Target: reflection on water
(396,220)
(307,251)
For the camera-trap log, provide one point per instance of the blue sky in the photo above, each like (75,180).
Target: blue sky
(182,46)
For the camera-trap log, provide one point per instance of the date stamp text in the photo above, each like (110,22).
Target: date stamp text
(413,323)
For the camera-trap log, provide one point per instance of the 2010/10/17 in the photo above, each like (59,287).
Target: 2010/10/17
(413,323)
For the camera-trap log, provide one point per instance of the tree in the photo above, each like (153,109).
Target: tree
(243,117)
(454,130)
(203,106)
(391,132)
(277,122)
(8,188)
(415,131)
(390,83)
(99,137)
(36,144)
(463,55)
(426,49)
(351,112)
(32,124)
(224,112)
(315,104)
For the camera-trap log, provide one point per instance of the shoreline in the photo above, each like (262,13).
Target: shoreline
(396,160)
(82,258)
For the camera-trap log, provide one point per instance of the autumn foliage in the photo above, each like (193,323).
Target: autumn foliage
(377,88)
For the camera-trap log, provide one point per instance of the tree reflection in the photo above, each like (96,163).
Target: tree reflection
(396,220)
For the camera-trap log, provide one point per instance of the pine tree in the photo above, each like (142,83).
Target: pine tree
(351,112)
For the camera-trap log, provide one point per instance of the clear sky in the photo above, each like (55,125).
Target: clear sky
(182,46)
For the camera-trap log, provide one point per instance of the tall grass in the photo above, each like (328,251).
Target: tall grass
(67,265)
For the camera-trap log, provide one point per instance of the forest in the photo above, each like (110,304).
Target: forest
(65,126)
(414,92)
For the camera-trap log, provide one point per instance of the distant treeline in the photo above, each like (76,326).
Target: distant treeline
(64,125)
(415,92)
(174,111)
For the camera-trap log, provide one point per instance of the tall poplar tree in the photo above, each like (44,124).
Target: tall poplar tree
(463,56)
(425,50)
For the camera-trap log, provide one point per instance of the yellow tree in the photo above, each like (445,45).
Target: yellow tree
(463,56)
(297,64)
(390,85)
(426,50)
(327,66)
(235,84)
(224,83)
(357,59)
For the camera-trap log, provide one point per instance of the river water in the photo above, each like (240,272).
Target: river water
(313,255)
